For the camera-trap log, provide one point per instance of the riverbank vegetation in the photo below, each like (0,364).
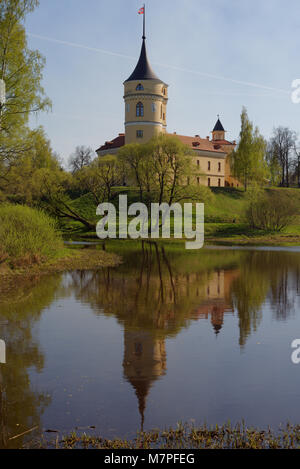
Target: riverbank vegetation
(225,436)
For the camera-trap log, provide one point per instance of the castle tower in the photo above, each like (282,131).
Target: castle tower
(218,133)
(146,98)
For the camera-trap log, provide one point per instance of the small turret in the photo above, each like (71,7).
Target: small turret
(218,132)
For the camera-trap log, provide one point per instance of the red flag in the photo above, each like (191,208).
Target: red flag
(141,11)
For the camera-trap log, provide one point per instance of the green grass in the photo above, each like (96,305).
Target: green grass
(27,235)
(224,212)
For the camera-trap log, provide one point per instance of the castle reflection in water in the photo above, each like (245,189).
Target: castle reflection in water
(145,358)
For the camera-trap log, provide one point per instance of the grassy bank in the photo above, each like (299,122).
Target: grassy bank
(30,245)
(67,259)
(224,218)
(185,437)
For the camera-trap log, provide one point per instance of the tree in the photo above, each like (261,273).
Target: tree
(248,161)
(136,166)
(282,146)
(297,166)
(17,182)
(162,169)
(100,177)
(272,211)
(21,69)
(80,158)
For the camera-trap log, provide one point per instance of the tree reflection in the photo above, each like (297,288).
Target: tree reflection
(20,405)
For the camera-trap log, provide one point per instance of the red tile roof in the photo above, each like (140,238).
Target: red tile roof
(193,142)
(115,143)
(224,142)
(200,143)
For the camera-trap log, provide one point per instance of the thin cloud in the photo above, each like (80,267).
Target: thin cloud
(171,67)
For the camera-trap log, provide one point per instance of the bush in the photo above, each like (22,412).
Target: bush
(272,211)
(27,235)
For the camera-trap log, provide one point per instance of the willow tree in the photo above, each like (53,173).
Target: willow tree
(21,69)
(248,162)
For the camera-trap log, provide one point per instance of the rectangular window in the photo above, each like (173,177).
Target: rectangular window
(153,107)
(198,164)
(208,182)
(219,167)
(127,107)
(208,166)
(219,182)
(139,133)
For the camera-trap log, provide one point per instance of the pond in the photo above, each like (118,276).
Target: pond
(168,336)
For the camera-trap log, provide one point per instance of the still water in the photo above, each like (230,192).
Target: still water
(168,336)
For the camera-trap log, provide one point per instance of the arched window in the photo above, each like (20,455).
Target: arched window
(139,87)
(140,110)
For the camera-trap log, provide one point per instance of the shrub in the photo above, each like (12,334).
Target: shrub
(27,235)
(272,211)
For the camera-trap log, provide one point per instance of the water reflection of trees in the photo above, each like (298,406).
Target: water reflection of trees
(154,289)
(270,277)
(162,290)
(21,406)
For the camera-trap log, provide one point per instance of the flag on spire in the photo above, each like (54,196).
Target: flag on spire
(141,11)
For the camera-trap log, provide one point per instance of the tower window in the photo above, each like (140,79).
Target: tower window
(208,166)
(219,182)
(153,107)
(139,134)
(127,107)
(140,110)
(208,182)
(139,87)
(219,167)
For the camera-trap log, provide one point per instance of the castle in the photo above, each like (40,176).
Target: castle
(146,99)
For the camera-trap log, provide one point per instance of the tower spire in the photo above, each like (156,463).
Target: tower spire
(144,23)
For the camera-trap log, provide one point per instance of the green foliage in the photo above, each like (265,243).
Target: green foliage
(272,211)
(163,170)
(21,69)
(19,181)
(99,178)
(27,235)
(248,161)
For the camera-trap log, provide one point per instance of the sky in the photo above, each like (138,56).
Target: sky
(216,56)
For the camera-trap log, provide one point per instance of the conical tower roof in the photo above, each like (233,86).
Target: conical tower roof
(218,127)
(143,69)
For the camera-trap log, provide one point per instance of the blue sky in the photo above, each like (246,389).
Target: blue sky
(216,56)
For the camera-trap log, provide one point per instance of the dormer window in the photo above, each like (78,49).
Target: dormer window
(139,87)
(139,110)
